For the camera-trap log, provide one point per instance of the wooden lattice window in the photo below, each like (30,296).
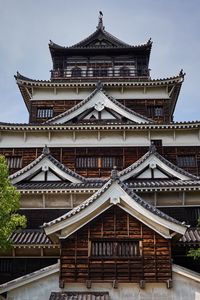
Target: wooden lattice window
(100,72)
(76,72)
(158,111)
(14,162)
(124,71)
(43,113)
(106,162)
(155,111)
(186,161)
(115,248)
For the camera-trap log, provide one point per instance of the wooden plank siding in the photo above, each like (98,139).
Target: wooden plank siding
(126,155)
(59,106)
(152,265)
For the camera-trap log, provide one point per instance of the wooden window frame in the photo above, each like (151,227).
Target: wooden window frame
(115,248)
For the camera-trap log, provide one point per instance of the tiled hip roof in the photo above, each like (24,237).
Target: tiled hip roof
(30,237)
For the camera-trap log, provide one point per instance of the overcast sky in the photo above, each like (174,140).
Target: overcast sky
(26,26)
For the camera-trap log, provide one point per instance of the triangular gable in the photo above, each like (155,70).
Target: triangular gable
(112,193)
(46,168)
(152,165)
(99,104)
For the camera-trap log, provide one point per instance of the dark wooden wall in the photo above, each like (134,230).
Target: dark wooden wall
(59,106)
(126,156)
(153,264)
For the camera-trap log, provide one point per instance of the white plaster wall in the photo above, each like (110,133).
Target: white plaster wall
(38,290)
(90,138)
(183,289)
(47,93)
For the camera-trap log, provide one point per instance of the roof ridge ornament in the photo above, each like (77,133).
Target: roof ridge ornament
(99,85)
(100,23)
(149,42)
(181,73)
(152,148)
(46,150)
(114,173)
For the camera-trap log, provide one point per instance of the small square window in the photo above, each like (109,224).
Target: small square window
(44,113)
(158,112)
(186,161)
(14,162)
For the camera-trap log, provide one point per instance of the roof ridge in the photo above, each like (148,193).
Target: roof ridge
(147,205)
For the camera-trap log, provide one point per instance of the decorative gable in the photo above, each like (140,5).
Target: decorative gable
(46,169)
(152,165)
(99,106)
(114,192)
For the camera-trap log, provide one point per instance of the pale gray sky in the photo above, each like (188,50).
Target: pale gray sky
(26,26)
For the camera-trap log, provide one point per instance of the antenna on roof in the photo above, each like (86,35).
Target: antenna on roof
(100,24)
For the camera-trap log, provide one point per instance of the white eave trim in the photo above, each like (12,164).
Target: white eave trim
(186,272)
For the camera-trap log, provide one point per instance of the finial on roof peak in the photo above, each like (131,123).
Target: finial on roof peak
(152,148)
(99,85)
(46,150)
(181,73)
(100,24)
(114,173)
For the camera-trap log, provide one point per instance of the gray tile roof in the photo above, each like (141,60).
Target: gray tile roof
(30,237)
(161,183)
(59,185)
(96,184)
(192,236)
